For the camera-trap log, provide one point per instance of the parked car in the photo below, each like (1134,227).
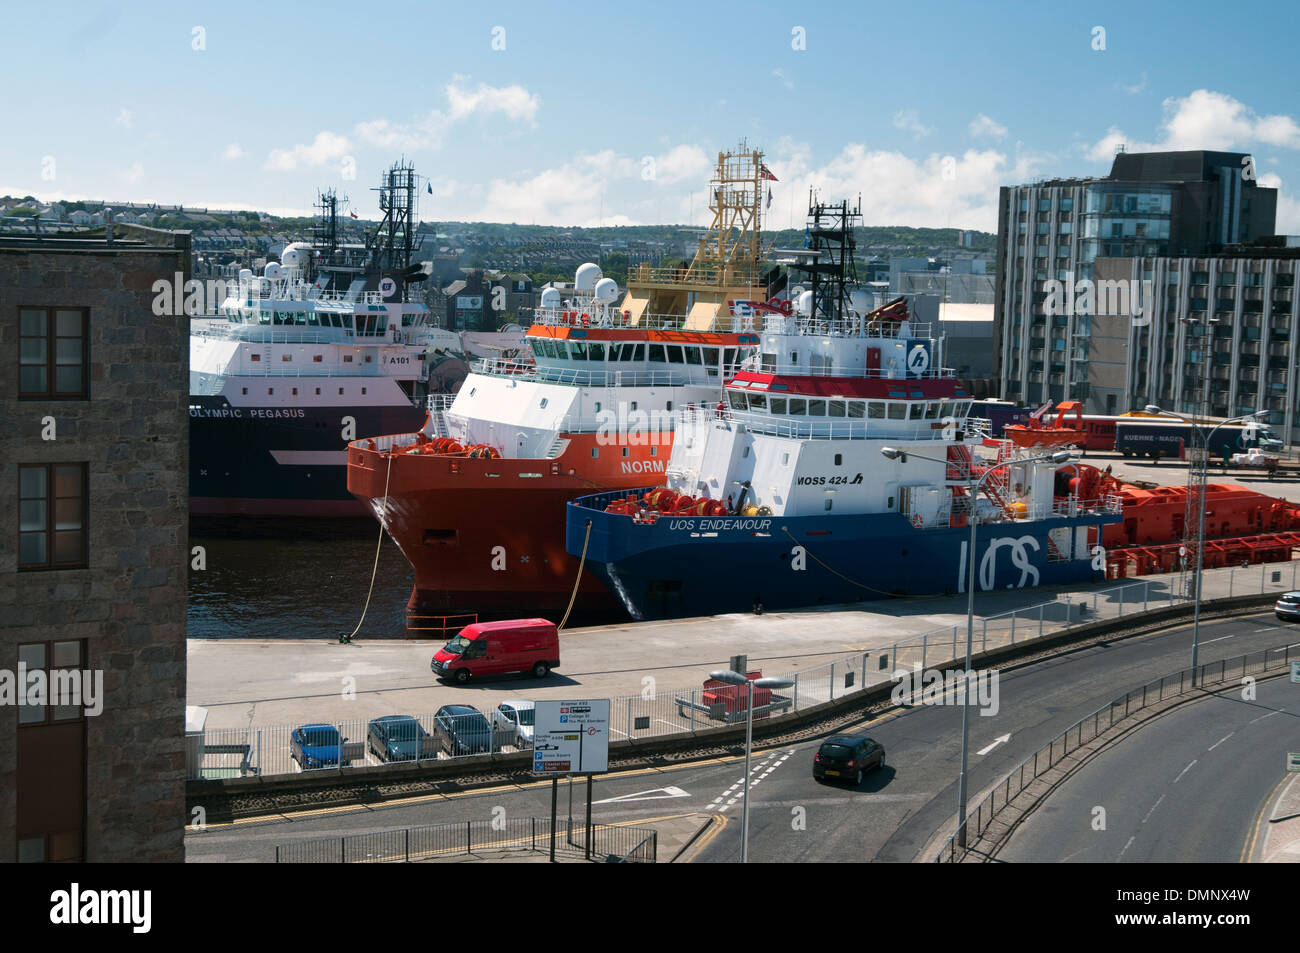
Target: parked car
(317,746)
(396,738)
(516,715)
(461,729)
(1287,607)
(496,648)
(847,756)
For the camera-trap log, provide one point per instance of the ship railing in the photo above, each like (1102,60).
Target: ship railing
(838,370)
(497,367)
(439,403)
(586,315)
(817,428)
(854,326)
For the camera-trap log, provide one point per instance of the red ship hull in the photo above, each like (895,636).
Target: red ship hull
(486,536)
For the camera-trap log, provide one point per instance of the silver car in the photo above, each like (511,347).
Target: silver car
(515,715)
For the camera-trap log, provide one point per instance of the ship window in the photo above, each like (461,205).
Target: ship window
(737,400)
(270,390)
(816,408)
(729,356)
(363,390)
(313,320)
(347,358)
(932,410)
(693,356)
(317,391)
(577,351)
(758,402)
(243,390)
(856,407)
(317,358)
(829,503)
(255,357)
(654,451)
(918,411)
(669,405)
(876,410)
(595,452)
(596,352)
(794,357)
(675,355)
(798,406)
(543,403)
(889,504)
(839,459)
(340,391)
(625,451)
(597,406)
(295,392)
(536,348)
(633,405)
(835,408)
(897,411)
(778,405)
(785,459)
(286,357)
(657,355)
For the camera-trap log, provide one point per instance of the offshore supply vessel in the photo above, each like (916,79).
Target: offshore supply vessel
(328,344)
(475,498)
(838,470)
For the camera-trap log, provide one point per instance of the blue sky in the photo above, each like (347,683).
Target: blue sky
(613,113)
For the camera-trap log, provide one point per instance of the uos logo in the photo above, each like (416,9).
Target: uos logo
(1019,547)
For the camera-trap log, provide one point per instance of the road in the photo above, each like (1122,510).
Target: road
(1188,788)
(795,819)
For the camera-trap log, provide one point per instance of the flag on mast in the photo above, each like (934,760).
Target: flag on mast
(769,196)
(353,214)
(429,186)
(765,173)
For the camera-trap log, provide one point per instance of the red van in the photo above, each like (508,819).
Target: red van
(495,648)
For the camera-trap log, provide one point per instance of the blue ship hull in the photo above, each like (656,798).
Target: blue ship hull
(692,566)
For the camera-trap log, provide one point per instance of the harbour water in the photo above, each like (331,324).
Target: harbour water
(307,583)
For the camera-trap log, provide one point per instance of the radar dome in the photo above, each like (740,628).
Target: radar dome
(272,270)
(803,304)
(860,301)
(550,298)
(606,289)
(245,274)
(586,277)
(294,254)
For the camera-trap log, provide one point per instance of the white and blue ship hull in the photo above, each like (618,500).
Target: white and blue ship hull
(690,566)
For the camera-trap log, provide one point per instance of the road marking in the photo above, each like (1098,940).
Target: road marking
(1153,809)
(1222,740)
(1127,846)
(1184,771)
(1219,639)
(1269,715)
(655,794)
(1003,739)
(1248,848)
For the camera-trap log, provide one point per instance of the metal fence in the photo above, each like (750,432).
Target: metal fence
(268,750)
(1090,727)
(443,841)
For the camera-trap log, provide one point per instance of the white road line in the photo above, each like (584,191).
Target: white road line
(1222,740)
(1269,715)
(1127,846)
(1185,770)
(1219,639)
(1153,809)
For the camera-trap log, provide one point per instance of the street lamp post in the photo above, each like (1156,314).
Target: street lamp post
(1200,518)
(972,488)
(738,678)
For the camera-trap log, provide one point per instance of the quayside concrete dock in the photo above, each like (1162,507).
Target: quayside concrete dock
(243,683)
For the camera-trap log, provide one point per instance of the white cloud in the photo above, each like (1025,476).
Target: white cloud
(909,121)
(1136,88)
(324,148)
(1206,120)
(982,125)
(430,130)
(134,174)
(124,116)
(689,163)
(233,151)
(514,101)
(784,77)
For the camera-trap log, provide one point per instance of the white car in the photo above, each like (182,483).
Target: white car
(515,714)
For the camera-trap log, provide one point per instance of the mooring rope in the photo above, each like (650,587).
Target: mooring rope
(383,512)
(581,562)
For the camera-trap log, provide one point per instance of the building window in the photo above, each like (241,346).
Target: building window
(53,358)
(52,516)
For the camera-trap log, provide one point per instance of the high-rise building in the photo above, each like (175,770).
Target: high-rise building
(1050,234)
(94,443)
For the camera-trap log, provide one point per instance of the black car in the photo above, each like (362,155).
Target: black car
(396,738)
(847,756)
(1287,607)
(461,729)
